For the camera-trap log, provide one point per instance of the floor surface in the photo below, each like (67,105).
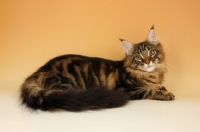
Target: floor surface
(181,115)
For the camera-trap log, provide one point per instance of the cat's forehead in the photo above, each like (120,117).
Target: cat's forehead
(144,46)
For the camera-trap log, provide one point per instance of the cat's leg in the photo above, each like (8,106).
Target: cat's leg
(59,83)
(163,94)
(147,93)
(63,86)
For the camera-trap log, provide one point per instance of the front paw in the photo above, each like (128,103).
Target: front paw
(164,95)
(169,96)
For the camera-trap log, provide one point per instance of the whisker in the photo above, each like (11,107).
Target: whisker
(171,65)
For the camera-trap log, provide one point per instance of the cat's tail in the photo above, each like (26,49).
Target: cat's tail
(71,100)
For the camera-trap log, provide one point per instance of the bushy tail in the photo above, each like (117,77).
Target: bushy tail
(71,100)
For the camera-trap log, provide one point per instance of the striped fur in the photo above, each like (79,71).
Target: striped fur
(76,83)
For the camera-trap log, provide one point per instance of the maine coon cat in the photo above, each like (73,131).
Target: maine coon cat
(76,83)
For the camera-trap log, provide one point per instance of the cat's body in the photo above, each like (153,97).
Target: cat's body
(75,82)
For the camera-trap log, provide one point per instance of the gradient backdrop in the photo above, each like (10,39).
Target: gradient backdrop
(33,31)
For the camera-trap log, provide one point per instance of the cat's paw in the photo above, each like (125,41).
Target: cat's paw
(164,95)
(169,96)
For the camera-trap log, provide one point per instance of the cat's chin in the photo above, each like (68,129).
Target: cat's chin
(148,69)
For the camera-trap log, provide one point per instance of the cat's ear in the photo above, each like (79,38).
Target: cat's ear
(128,46)
(152,38)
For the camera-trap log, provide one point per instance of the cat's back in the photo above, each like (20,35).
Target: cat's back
(79,71)
(71,60)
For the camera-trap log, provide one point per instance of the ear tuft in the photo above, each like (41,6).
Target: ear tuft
(152,38)
(128,46)
(152,27)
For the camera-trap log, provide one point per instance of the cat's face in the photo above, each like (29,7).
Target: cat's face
(145,56)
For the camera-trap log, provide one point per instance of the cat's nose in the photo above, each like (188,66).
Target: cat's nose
(147,60)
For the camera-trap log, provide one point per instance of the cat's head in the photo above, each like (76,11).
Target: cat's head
(145,56)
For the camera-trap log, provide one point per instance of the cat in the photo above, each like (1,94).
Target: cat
(76,83)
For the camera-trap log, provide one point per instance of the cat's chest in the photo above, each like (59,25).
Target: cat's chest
(151,80)
(152,77)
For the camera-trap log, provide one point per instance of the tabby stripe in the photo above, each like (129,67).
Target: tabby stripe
(102,74)
(95,78)
(67,74)
(79,77)
(111,81)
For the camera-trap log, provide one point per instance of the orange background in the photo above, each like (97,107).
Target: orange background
(32,32)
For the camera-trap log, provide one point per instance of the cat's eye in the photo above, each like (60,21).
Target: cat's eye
(152,52)
(138,57)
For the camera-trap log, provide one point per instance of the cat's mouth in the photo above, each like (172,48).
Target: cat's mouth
(148,67)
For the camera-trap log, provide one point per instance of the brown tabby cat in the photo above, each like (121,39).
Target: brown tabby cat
(76,83)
